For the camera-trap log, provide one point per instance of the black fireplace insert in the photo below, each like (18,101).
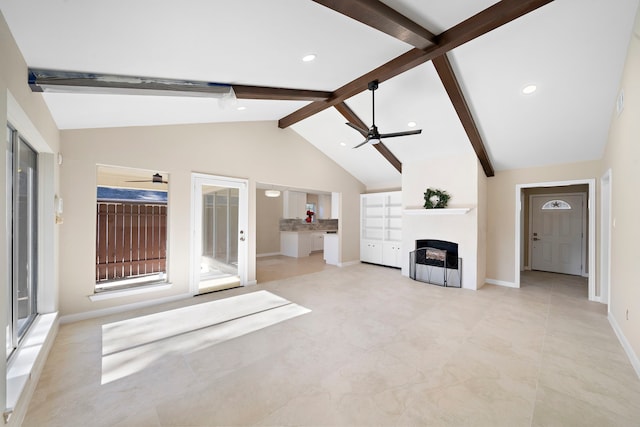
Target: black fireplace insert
(438,251)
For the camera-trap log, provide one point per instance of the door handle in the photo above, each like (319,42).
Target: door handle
(535,239)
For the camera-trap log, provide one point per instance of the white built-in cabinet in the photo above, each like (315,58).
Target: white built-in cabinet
(381,228)
(294,204)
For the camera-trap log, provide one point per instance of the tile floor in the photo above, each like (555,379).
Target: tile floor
(377,349)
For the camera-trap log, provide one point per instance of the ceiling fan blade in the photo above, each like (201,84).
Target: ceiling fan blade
(364,132)
(141,180)
(405,133)
(362,143)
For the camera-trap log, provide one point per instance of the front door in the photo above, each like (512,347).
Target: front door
(557,230)
(219,233)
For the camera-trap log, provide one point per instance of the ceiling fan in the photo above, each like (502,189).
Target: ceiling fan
(372,136)
(156,179)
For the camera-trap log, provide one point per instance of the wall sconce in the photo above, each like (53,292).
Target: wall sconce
(272,193)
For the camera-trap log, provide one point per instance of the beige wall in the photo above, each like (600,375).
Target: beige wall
(622,156)
(268,213)
(501,198)
(258,151)
(29,114)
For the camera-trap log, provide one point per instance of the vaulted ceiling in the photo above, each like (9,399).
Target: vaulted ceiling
(455,68)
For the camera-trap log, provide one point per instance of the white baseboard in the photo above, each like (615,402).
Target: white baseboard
(633,357)
(268,254)
(119,309)
(501,283)
(348,263)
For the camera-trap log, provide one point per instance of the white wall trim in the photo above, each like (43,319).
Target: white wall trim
(605,237)
(633,357)
(100,296)
(348,263)
(501,283)
(591,212)
(69,318)
(268,254)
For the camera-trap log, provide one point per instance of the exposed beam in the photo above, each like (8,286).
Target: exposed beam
(278,93)
(74,82)
(378,15)
(489,19)
(351,117)
(451,85)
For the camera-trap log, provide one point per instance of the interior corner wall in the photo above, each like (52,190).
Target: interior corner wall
(622,156)
(257,151)
(501,208)
(269,210)
(457,175)
(482,226)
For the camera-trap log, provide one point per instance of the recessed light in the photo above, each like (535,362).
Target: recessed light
(308,58)
(529,89)
(241,108)
(412,124)
(343,144)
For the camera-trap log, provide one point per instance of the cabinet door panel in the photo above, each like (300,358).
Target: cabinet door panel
(371,251)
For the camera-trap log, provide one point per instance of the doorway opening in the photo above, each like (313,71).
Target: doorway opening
(524,235)
(220,218)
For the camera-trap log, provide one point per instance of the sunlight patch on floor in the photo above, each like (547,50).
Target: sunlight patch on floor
(132,345)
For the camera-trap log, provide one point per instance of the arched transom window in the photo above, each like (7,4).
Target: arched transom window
(556,205)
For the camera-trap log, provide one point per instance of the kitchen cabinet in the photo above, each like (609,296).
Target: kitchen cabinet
(295,244)
(381,228)
(324,206)
(317,241)
(294,204)
(331,248)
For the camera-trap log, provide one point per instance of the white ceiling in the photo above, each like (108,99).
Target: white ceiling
(573,50)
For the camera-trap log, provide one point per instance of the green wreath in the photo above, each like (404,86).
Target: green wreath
(434,198)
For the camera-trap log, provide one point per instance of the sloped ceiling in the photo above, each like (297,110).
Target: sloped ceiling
(573,50)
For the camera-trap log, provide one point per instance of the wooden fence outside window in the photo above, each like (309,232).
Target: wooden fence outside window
(131,240)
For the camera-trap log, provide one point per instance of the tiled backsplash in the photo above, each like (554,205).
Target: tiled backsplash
(300,225)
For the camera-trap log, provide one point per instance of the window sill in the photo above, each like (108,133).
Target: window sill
(152,287)
(22,364)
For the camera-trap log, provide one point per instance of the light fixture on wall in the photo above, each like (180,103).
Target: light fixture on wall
(272,193)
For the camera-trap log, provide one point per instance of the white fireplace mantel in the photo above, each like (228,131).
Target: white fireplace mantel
(438,211)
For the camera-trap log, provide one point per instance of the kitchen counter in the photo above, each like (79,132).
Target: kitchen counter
(301,243)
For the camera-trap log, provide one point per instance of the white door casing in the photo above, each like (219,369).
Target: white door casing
(197,182)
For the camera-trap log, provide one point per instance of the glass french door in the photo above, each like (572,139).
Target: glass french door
(22,191)
(220,217)
(219,229)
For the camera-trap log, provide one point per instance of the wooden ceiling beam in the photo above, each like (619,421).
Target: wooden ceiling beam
(279,93)
(487,20)
(451,85)
(378,15)
(352,118)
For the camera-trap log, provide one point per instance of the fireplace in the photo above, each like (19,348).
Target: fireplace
(436,262)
